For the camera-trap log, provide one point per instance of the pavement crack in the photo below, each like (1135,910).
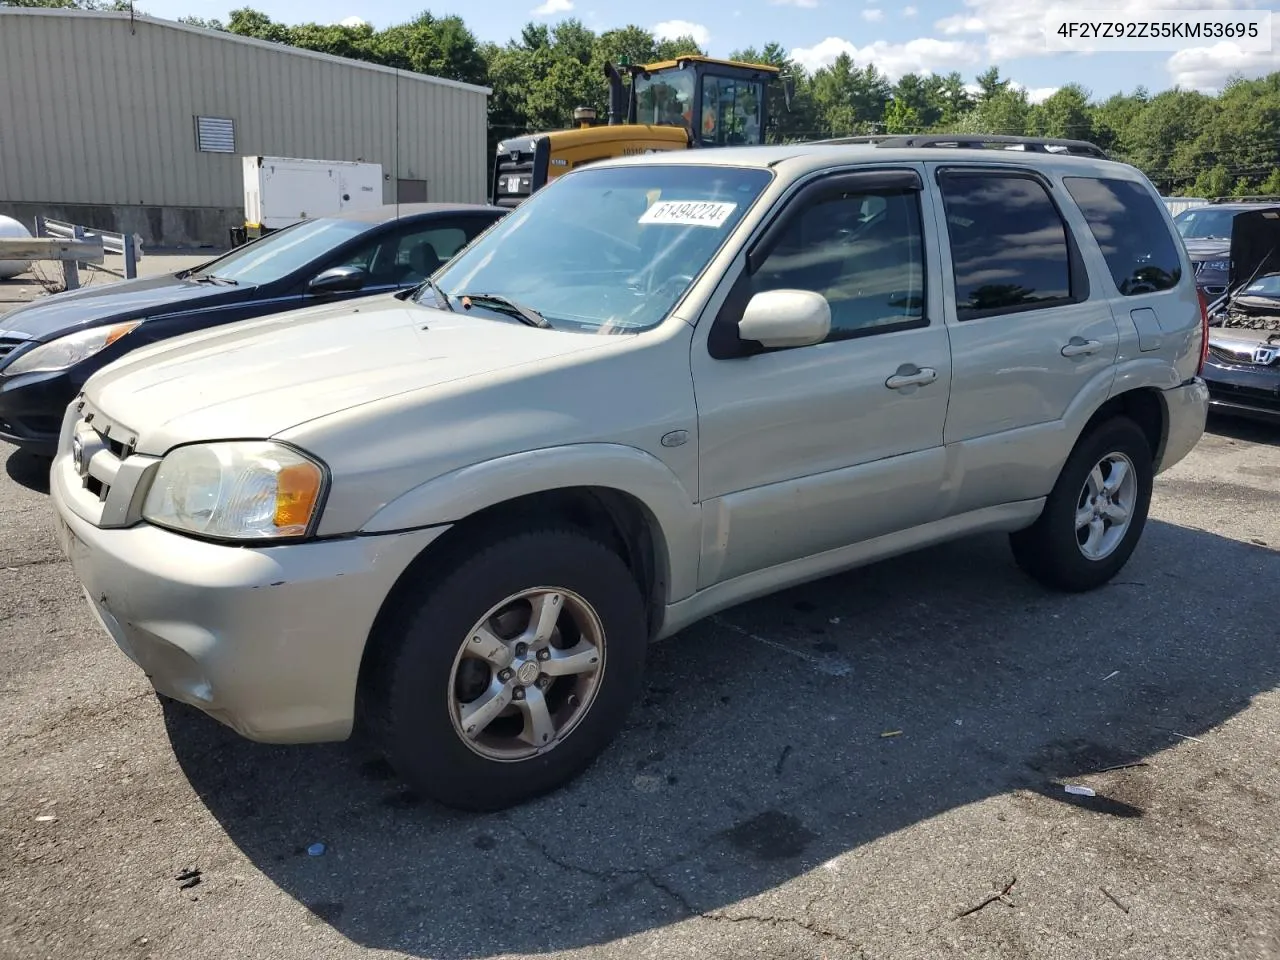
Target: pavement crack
(807,925)
(613,875)
(604,876)
(663,887)
(1002,897)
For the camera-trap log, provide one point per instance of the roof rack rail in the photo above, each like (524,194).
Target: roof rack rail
(978,141)
(1260,198)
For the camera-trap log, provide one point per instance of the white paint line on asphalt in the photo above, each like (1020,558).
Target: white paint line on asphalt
(832,666)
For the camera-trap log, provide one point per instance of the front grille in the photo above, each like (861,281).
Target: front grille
(103,469)
(514,181)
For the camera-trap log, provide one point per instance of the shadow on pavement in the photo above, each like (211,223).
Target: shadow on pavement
(27,470)
(1243,428)
(747,765)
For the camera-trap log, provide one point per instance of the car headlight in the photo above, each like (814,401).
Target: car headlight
(236,490)
(69,350)
(1217,266)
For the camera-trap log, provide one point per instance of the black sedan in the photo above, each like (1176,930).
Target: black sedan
(50,347)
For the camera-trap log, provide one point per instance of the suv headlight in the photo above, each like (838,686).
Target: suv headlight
(236,490)
(69,350)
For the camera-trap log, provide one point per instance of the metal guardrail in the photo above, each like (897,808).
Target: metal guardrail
(128,246)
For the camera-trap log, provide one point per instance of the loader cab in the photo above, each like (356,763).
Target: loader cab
(720,103)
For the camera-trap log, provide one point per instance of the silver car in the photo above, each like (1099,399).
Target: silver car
(661,387)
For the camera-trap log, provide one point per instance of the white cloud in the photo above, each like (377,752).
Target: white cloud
(873,15)
(552,7)
(1034,94)
(909,11)
(922,55)
(806,4)
(1208,68)
(670,29)
(353,22)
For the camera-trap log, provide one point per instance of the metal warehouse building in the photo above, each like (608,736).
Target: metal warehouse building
(138,125)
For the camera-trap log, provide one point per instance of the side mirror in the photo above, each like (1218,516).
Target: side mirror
(786,318)
(338,280)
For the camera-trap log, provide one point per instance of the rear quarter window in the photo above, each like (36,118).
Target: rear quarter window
(1131,231)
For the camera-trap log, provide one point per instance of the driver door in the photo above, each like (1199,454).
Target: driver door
(810,449)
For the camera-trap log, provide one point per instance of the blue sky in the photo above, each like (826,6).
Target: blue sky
(899,36)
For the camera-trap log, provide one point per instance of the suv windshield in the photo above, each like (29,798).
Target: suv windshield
(279,254)
(607,249)
(1205,224)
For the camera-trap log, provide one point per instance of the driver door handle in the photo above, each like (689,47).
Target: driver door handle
(903,379)
(1077,347)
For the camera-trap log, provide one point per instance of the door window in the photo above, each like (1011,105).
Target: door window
(863,252)
(1131,231)
(408,256)
(1009,249)
(730,111)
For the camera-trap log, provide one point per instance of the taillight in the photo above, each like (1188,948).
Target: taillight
(1204,331)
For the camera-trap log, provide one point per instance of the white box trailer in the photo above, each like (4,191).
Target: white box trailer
(1177,204)
(279,191)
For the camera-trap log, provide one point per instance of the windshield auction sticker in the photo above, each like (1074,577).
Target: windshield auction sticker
(689,213)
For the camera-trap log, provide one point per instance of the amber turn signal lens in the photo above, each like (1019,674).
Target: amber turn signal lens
(297,492)
(120,331)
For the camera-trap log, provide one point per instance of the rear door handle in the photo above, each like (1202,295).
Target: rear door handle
(1077,347)
(901,380)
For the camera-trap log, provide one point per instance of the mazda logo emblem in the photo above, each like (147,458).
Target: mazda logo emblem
(77,454)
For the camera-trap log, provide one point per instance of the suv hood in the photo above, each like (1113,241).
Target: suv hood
(50,317)
(1207,249)
(261,377)
(1255,245)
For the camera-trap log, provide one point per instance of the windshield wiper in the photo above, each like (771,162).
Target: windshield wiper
(440,294)
(524,314)
(210,278)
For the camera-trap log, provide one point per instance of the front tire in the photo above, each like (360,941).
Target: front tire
(513,671)
(1095,515)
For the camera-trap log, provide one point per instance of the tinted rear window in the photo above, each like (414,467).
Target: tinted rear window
(1008,244)
(1131,231)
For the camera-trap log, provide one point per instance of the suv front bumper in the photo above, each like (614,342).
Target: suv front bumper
(267,640)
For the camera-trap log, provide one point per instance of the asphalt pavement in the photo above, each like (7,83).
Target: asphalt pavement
(870,766)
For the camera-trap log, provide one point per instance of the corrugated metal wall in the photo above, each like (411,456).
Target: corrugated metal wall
(96,110)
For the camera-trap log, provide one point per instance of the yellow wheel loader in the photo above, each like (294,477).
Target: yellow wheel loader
(672,105)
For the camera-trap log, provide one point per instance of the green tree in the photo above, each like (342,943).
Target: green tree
(900,117)
(922,98)
(991,84)
(1067,113)
(1212,183)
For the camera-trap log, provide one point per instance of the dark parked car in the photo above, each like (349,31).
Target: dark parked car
(50,347)
(1242,369)
(1206,233)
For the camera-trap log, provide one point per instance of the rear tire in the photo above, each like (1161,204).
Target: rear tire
(483,703)
(1095,514)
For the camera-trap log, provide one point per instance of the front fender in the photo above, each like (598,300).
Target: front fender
(452,497)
